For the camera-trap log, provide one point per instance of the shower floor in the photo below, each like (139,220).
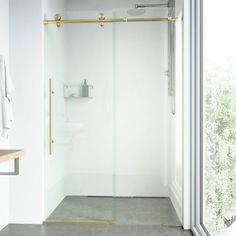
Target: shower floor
(120,210)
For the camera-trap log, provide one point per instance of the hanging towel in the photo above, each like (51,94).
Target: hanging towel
(6,88)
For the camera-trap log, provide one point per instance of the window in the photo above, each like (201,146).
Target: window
(217,162)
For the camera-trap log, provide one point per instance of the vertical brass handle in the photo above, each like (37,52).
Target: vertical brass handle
(51,93)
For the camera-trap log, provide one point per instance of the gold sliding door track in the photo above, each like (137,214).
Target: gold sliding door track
(102,20)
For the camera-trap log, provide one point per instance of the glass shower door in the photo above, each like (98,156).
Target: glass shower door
(142,113)
(79,165)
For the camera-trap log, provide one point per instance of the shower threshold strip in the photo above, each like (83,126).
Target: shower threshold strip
(95,222)
(102,20)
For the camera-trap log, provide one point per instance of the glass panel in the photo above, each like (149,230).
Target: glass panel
(219,83)
(110,133)
(141,108)
(79,173)
(55,160)
(142,119)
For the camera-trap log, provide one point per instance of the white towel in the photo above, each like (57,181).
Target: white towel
(6,88)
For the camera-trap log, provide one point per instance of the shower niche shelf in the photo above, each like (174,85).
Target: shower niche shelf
(72,91)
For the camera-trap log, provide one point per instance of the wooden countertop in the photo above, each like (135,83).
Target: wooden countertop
(10,154)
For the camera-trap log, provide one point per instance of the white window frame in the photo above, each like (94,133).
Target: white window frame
(196,115)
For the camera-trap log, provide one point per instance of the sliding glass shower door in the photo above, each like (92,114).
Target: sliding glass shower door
(108,127)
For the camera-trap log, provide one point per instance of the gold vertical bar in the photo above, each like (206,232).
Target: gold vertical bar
(51,92)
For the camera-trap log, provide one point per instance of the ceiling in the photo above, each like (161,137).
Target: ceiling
(89,5)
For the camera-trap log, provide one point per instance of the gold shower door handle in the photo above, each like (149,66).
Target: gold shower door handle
(50,138)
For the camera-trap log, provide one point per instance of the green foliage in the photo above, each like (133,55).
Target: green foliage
(220,151)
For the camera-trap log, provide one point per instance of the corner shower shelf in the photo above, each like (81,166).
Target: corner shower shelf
(11,154)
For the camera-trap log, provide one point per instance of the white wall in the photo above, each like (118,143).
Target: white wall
(4,180)
(176,122)
(141,107)
(26,62)
(89,5)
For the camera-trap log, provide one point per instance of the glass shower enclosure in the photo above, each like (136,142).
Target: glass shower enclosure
(107,119)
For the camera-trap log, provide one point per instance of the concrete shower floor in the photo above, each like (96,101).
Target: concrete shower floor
(120,211)
(92,230)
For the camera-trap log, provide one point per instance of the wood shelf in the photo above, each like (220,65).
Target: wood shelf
(10,154)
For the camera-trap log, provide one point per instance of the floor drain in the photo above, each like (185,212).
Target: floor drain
(171,226)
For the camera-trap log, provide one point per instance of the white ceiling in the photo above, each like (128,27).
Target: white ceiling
(87,5)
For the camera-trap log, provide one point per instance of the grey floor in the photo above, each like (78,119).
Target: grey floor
(92,230)
(133,217)
(119,211)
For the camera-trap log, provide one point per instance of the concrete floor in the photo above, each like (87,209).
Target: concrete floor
(134,217)
(121,211)
(91,230)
